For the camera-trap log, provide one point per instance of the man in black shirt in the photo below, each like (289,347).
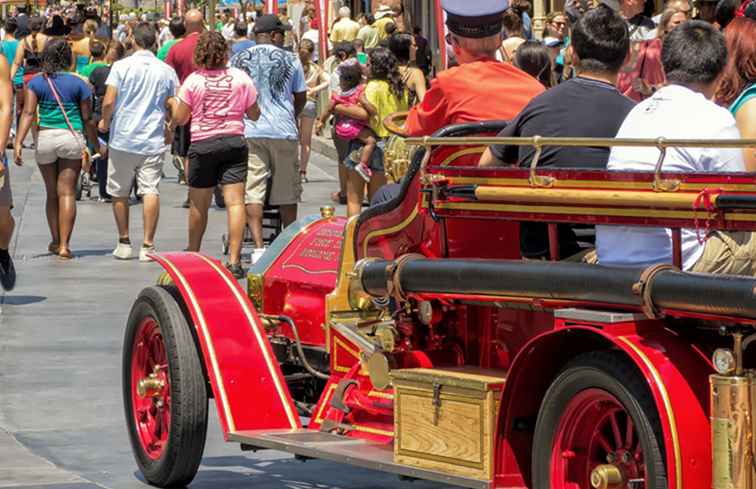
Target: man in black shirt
(23,22)
(588,105)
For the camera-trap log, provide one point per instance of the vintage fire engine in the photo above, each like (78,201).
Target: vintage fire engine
(413,339)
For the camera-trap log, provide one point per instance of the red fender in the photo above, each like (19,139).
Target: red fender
(249,388)
(677,375)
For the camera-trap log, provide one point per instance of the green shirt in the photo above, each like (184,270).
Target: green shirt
(163,51)
(87,70)
(746,95)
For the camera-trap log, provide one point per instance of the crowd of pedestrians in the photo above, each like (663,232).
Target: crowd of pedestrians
(237,100)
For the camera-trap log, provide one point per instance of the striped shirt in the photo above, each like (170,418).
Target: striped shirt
(71,89)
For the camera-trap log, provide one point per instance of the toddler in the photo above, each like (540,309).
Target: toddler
(352,88)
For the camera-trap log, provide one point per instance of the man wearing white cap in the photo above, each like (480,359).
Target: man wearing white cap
(481,88)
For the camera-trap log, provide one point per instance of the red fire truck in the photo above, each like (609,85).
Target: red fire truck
(413,339)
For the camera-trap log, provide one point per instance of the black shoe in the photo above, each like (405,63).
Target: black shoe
(236,270)
(8,274)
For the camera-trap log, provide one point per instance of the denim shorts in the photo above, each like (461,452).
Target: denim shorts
(376,162)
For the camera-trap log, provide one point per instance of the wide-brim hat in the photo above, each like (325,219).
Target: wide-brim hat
(57,28)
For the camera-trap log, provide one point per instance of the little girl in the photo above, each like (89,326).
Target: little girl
(352,88)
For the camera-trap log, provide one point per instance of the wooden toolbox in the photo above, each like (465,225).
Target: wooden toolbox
(444,419)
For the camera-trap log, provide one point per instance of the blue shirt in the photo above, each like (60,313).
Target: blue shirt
(9,51)
(144,84)
(239,46)
(277,75)
(71,89)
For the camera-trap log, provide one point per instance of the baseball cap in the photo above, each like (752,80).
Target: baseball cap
(270,23)
(612,4)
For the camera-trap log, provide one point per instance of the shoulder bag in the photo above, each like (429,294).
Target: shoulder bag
(86,158)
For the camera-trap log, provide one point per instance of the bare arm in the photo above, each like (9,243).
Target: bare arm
(300,99)
(324,82)
(27,116)
(419,84)
(487,159)
(746,122)
(353,111)
(108,104)
(89,126)
(6,102)
(253,112)
(180,111)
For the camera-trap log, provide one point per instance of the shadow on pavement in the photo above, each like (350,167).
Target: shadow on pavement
(22,300)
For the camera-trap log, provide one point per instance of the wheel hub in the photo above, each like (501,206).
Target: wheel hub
(597,445)
(607,476)
(151,389)
(152,385)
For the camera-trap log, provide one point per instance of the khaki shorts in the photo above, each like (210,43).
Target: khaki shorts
(54,144)
(731,253)
(123,167)
(278,158)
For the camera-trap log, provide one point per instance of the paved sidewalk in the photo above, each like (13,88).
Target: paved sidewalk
(61,331)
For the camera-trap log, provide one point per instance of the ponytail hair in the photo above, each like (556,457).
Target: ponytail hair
(90,29)
(36,24)
(56,56)
(385,66)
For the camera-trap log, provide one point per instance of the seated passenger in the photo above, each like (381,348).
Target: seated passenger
(481,88)
(588,105)
(694,55)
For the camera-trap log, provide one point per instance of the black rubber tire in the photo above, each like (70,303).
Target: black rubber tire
(182,455)
(614,373)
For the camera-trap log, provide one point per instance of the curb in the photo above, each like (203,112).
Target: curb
(324,147)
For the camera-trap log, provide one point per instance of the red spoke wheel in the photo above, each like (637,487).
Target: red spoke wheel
(164,389)
(597,425)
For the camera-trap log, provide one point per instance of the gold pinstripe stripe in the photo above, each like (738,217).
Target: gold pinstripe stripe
(293,420)
(208,342)
(390,230)
(667,407)
(523,182)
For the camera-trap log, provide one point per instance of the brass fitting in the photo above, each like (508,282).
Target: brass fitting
(150,386)
(327,211)
(607,476)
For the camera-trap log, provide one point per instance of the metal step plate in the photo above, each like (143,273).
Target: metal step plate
(345,450)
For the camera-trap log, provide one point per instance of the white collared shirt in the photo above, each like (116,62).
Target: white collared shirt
(673,112)
(144,83)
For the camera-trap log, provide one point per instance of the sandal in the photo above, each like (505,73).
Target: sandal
(53,248)
(339,198)
(65,255)
(303,177)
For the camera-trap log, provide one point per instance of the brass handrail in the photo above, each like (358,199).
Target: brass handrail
(599,142)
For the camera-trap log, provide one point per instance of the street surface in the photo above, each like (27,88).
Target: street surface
(61,331)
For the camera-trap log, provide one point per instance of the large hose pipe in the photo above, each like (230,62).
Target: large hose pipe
(653,289)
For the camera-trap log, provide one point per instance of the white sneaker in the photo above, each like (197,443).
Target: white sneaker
(122,251)
(257,253)
(144,251)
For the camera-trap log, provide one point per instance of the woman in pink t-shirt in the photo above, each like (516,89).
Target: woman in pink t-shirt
(216,99)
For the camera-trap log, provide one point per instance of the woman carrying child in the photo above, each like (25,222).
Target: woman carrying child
(383,95)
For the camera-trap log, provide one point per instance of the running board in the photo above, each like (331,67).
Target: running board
(345,450)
